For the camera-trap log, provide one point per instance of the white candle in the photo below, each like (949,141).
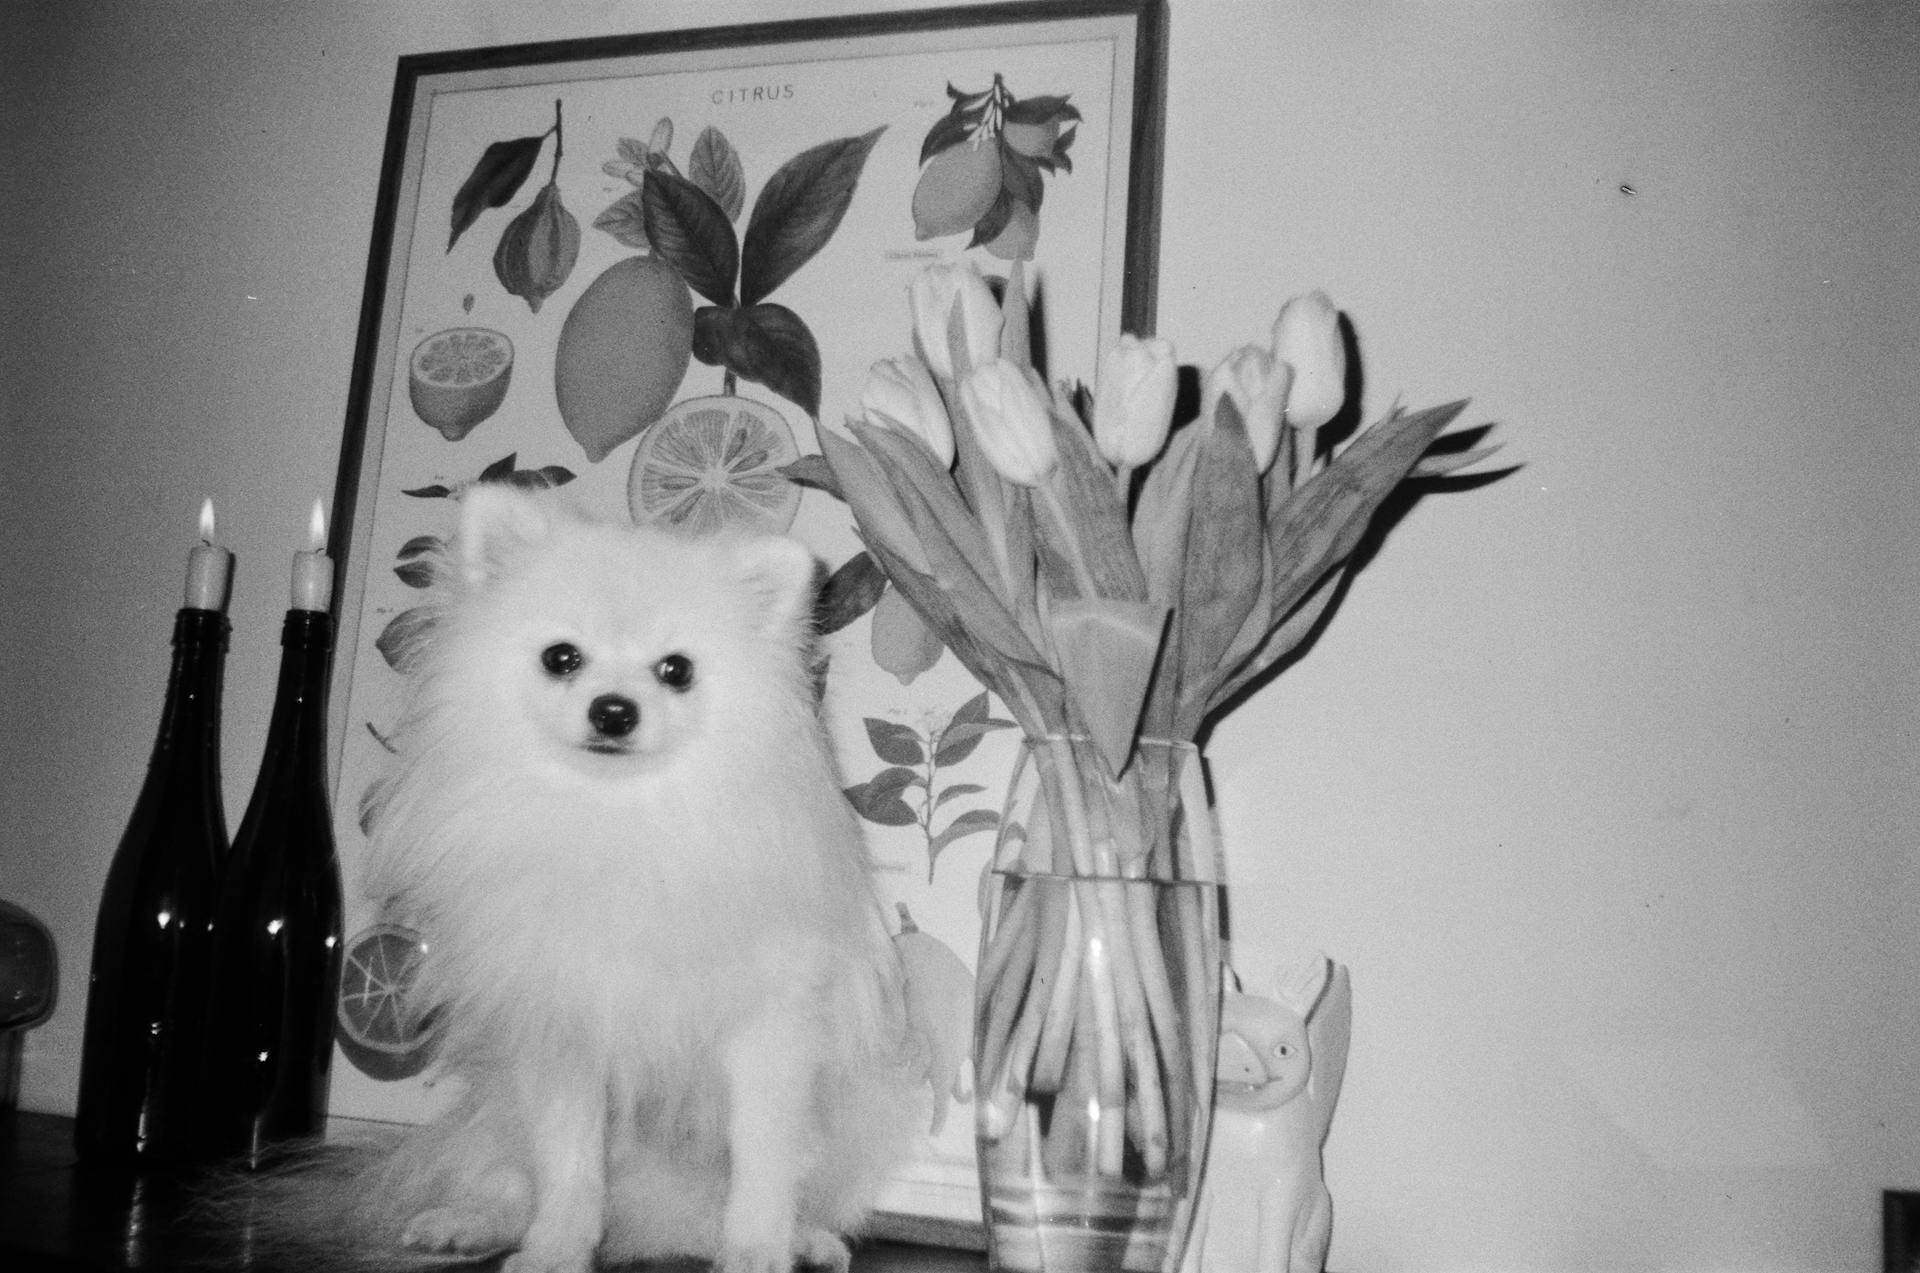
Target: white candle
(313,569)
(209,567)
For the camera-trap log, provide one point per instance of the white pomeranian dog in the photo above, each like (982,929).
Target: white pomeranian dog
(664,984)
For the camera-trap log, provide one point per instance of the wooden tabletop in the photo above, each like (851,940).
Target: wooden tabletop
(59,1217)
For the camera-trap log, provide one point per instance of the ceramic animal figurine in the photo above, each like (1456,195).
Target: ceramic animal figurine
(1264,1206)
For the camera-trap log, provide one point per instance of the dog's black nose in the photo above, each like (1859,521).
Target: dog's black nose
(613,716)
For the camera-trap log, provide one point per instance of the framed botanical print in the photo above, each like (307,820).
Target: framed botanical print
(650,269)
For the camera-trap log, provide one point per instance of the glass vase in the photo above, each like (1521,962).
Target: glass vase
(1097,1009)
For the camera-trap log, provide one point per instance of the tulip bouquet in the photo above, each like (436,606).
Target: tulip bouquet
(1115,582)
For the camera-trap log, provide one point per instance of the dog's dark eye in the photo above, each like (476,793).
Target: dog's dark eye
(675,671)
(562,659)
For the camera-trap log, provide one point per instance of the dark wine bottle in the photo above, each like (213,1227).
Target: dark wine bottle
(276,929)
(146,994)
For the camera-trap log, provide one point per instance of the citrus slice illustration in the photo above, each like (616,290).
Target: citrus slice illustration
(458,377)
(715,462)
(381,1032)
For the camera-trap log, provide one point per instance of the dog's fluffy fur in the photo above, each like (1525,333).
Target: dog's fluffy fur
(663,980)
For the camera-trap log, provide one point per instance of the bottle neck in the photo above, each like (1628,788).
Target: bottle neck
(299,724)
(190,721)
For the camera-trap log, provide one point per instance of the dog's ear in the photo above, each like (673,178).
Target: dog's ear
(779,573)
(495,522)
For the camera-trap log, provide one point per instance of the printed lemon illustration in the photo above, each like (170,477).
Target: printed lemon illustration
(458,377)
(715,462)
(902,642)
(381,1032)
(623,352)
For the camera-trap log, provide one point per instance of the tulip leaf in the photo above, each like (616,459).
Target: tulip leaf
(798,210)
(1095,516)
(1284,638)
(1441,465)
(1164,512)
(1321,522)
(1033,694)
(956,550)
(1222,578)
(1107,649)
(691,233)
(906,459)
(875,506)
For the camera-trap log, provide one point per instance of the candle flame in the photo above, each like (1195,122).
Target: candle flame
(317,528)
(206,520)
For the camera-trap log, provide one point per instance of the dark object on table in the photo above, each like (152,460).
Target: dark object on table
(275,967)
(146,996)
(1900,1243)
(28,977)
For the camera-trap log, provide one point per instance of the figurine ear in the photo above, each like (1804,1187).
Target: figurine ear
(1299,982)
(779,572)
(496,521)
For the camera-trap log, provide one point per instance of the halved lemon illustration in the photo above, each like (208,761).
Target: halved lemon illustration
(381,1030)
(458,377)
(715,462)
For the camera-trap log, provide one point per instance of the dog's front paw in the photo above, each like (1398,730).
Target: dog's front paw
(569,1258)
(457,1231)
(755,1257)
(811,1248)
(818,1249)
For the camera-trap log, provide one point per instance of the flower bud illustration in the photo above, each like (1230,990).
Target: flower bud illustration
(900,394)
(942,296)
(1257,384)
(1133,404)
(1306,336)
(1008,410)
(538,248)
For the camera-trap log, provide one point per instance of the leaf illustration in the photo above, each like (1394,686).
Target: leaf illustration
(956,791)
(715,168)
(895,743)
(499,469)
(963,733)
(626,220)
(972,822)
(1043,109)
(400,641)
(770,345)
(539,479)
(849,592)
(894,779)
(420,546)
(798,210)
(814,471)
(502,170)
(878,799)
(989,226)
(435,491)
(949,131)
(416,574)
(692,233)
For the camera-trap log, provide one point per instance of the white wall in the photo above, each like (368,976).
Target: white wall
(1603,783)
